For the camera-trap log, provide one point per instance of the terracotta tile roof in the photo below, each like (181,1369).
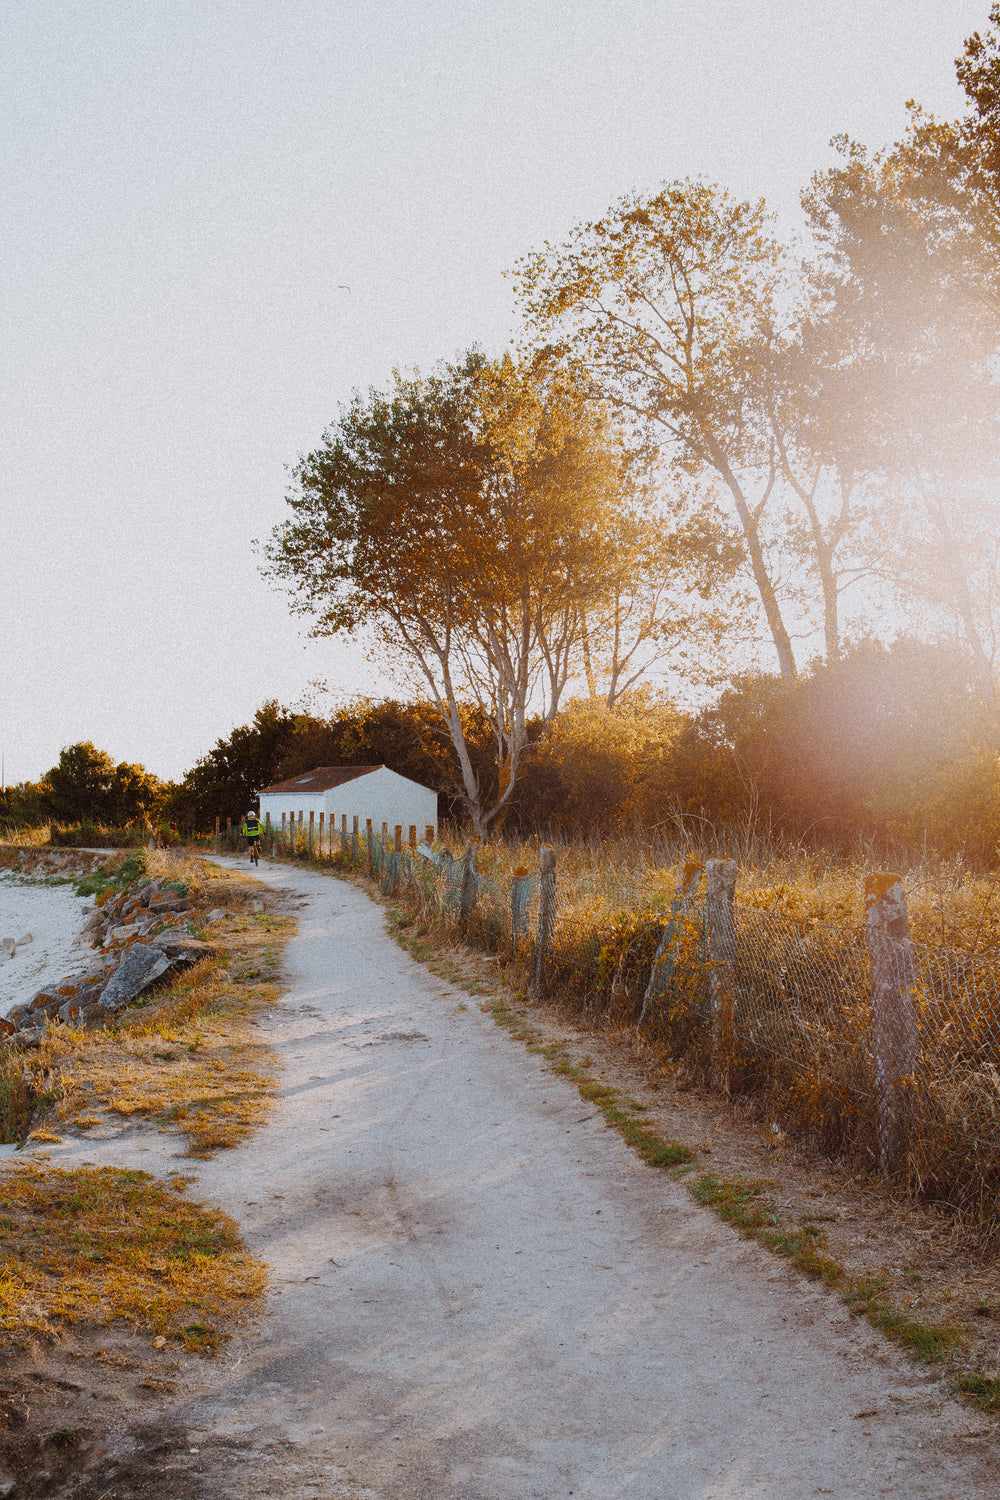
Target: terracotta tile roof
(320,780)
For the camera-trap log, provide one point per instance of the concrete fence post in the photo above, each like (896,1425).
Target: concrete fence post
(663,964)
(546,910)
(895,1029)
(720,915)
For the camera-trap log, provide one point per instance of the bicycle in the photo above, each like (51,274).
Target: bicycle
(254,856)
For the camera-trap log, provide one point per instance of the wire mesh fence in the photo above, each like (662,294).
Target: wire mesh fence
(878,1048)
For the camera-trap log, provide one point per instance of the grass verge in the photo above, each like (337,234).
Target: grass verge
(191,1058)
(102,1245)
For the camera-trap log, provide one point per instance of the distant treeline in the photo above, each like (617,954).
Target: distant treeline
(891,744)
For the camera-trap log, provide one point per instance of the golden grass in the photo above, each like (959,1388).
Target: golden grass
(98,1245)
(191,1058)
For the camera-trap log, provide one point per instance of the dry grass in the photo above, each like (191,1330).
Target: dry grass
(99,1245)
(192,1058)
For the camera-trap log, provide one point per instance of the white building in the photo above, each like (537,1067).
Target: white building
(362,792)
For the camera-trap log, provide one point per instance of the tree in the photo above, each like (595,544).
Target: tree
(906,312)
(225,782)
(88,787)
(464,519)
(671,302)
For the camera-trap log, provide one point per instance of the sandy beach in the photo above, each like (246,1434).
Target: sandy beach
(54,917)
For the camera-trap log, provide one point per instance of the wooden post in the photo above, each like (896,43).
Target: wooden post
(343,833)
(368,844)
(546,910)
(413,835)
(429,835)
(663,963)
(268,835)
(216,835)
(322,831)
(354,841)
(398,839)
(894,1016)
(720,914)
(312,827)
(470,883)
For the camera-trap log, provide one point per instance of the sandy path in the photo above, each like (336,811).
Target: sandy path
(479,1292)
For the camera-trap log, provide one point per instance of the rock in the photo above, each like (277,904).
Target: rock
(9,946)
(176,903)
(256,907)
(140,966)
(127,930)
(44,997)
(215,916)
(181,947)
(20,1015)
(26,939)
(83,1004)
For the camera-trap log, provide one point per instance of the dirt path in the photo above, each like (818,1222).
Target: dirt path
(479,1293)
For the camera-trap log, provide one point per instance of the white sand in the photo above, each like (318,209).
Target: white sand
(52,914)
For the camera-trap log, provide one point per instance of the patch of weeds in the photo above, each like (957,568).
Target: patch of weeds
(99,1245)
(18,1103)
(65,1437)
(982,1390)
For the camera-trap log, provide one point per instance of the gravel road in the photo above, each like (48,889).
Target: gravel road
(479,1293)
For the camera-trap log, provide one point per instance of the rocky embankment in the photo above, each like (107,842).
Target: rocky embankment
(141,937)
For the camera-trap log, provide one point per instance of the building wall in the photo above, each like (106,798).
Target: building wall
(384,796)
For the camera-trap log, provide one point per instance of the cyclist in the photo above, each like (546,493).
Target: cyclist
(251,831)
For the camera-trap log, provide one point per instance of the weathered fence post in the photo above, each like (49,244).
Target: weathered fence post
(368,846)
(413,835)
(546,910)
(469,889)
(322,831)
(894,1016)
(343,833)
(720,917)
(216,835)
(312,825)
(355,844)
(429,834)
(268,834)
(663,963)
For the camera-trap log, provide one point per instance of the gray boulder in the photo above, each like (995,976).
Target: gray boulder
(180,947)
(141,966)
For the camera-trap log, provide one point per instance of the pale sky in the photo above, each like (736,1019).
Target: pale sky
(187,184)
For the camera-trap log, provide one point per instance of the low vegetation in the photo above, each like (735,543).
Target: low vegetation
(105,1245)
